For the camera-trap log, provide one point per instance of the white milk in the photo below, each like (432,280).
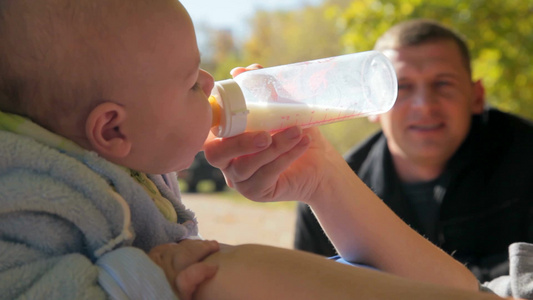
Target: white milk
(275,117)
(308,93)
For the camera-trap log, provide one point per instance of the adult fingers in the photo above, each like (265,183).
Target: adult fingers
(244,167)
(220,152)
(236,71)
(239,158)
(276,181)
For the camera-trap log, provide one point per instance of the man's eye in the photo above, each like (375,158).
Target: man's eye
(403,86)
(442,83)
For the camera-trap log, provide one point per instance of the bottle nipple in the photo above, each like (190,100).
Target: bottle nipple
(215,108)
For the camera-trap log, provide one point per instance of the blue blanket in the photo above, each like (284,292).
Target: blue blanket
(73,225)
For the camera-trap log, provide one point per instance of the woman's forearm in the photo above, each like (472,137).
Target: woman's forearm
(365,230)
(262,272)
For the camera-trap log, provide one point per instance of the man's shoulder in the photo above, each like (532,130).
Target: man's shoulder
(499,121)
(507,134)
(501,151)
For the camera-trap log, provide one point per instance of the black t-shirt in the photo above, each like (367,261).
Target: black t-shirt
(486,205)
(425,199)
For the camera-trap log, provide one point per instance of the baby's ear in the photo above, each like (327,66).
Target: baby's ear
(104,130)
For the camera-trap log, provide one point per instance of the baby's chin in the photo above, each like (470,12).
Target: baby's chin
(182,164)
(161,168)
(183,167)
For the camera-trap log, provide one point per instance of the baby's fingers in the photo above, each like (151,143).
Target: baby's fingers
(189,279)
(193,251)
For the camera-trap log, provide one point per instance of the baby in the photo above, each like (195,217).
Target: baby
(95,95)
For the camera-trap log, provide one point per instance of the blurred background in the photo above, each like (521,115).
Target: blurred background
(235,33)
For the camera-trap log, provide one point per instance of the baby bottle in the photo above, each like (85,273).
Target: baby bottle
(307,94)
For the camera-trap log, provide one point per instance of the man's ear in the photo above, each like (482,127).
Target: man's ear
(104,130)
(479,97)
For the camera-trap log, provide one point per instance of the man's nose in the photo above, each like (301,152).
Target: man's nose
(423,96)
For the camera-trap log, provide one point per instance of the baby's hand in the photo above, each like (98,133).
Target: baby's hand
(183,266)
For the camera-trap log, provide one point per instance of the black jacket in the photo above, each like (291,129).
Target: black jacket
(487,203)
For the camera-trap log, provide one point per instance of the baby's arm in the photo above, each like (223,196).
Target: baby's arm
(183,266)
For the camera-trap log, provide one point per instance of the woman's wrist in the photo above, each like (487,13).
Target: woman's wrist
(336,181)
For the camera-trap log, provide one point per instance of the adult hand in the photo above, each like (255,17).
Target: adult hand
(290,165)
(183,266)
(236,71)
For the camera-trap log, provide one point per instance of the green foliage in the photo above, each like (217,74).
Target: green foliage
(283,37)
(344,135)
(220,52)
(499,33)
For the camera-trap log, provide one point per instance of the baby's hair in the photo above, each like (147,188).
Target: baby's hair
(58,58)
(420,31)
(45,73)
(55,57)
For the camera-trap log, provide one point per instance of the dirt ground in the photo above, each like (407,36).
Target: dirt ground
(234,221)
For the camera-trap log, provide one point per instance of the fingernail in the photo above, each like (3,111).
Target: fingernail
(261,140)
(293,133)
(306,140)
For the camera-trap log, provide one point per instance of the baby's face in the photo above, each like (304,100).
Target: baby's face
(163,91)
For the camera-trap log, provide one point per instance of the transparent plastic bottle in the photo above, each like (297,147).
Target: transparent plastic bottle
(307,94)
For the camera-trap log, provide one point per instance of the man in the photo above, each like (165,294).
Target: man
(457,172)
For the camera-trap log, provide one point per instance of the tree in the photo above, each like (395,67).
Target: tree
(282,37)
(499,34)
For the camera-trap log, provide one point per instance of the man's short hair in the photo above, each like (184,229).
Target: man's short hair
(421,31)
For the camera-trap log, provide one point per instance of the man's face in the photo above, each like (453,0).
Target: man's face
(436,99)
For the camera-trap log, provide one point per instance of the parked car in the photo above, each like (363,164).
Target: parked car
(202,170)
